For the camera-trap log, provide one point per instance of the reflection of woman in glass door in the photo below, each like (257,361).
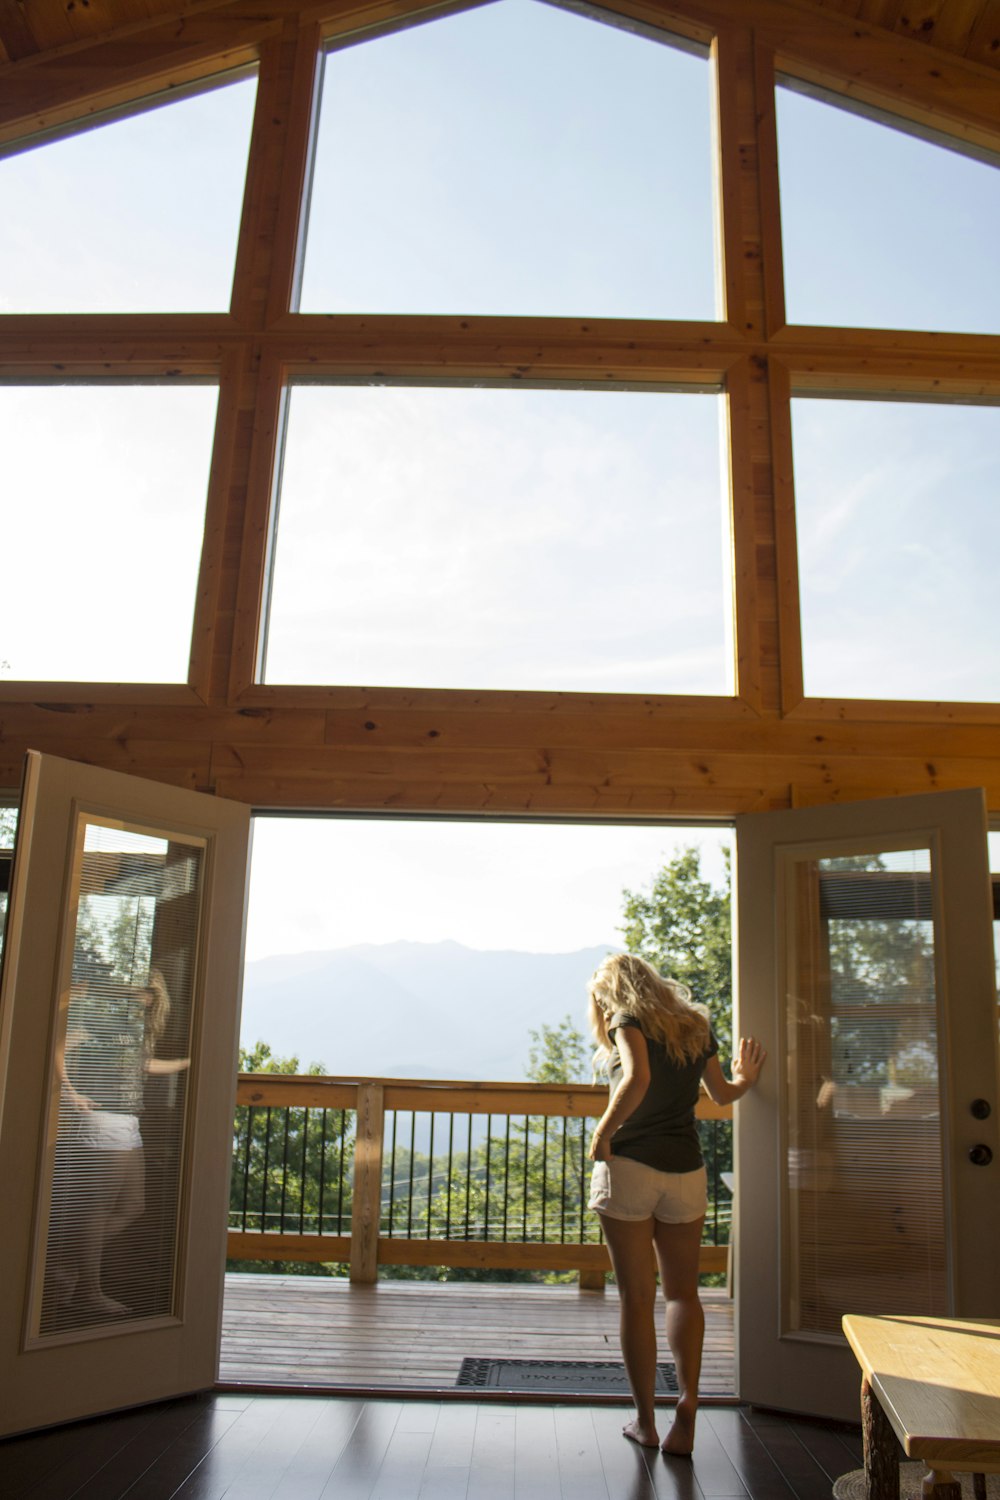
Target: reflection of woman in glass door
(110,1048)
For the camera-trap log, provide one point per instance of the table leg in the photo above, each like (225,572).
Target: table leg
(938,1484)
(881,1448)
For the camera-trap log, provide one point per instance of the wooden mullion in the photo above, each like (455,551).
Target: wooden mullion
(253,488)
(276,148)
(785,538)
(768,187)
(214,601)
(297,160)
(746,593)
(737,231)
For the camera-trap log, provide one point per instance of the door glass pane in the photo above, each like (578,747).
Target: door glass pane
(864,1177)
(514,159)
(107,1235)
(524,538)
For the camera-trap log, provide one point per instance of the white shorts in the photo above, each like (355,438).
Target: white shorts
(103,1131)
(627,1189)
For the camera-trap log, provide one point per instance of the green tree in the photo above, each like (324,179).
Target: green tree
(287,1171)
(558,1054)
(682,925)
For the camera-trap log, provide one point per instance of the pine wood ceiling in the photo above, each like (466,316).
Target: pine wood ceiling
(964,28)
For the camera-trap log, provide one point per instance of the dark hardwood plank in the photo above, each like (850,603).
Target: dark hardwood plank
(446,1473)
(805,1476)
(837,1447)
(491,1470)
(536,1463)
(354,1475)
(629,1469)
(163,1454)
(581,1468)
(308,1472)
(231,1459)
(751,1460)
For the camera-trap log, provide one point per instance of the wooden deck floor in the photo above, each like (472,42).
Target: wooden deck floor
(411,1335)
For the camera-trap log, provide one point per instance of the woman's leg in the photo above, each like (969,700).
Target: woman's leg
(630,1245)
(678,1248)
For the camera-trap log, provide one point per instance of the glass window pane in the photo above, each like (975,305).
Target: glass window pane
(139,214)
(898,516)
(881,229)
(864,1188)
(114,1143)
(107,487)
(516,158)
(501,538)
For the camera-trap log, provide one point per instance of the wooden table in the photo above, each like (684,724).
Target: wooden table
(933,1384)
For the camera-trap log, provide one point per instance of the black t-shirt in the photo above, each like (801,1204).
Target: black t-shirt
(662,1132)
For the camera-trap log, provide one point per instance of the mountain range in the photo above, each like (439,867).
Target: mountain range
(413,1010)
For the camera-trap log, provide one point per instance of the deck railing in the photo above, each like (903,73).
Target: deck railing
(385,1171)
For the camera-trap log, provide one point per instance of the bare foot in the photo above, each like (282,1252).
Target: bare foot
(646,1437)
(679,1441)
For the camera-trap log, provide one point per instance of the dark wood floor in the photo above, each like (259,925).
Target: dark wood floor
(250,1447)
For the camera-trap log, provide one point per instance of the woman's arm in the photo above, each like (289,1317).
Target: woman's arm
(745,1071)
(167,1065)
(628,1095)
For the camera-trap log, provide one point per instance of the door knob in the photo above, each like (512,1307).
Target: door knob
(980,1155)
(980,1109)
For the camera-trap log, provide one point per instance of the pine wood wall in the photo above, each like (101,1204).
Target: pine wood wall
(412,749)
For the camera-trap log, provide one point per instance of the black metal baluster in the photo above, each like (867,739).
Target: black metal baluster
(246,1166)
(284,1169)
(506,1175)
(340,1184)
(302,1195)
(392,1174)
(409,1198)
(267,1163)
(468,1175)
(524,1205)
(545,1169)
(430,1180)
(562,1185)
(322,1171)
(486,1197)
(451,1155)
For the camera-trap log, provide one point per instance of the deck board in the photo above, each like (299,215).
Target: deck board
(311,1330)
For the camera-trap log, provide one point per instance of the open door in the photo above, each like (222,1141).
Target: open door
(867,1160)
(118,1034)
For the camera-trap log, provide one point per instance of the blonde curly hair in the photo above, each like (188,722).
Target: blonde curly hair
(663,1008)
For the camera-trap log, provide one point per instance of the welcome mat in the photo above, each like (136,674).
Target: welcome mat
(576,1377)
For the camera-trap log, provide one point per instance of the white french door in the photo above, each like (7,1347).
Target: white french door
(867,1159)
(118,1035)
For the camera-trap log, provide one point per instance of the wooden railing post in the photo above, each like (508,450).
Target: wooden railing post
(366,1198)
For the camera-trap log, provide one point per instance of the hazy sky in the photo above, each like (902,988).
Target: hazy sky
(514,159)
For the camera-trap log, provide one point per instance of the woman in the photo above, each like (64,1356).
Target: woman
(649,1183)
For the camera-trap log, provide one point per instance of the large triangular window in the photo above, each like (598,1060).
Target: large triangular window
(513,159)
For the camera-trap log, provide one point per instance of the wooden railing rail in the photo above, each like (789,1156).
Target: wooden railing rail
(323,1172)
